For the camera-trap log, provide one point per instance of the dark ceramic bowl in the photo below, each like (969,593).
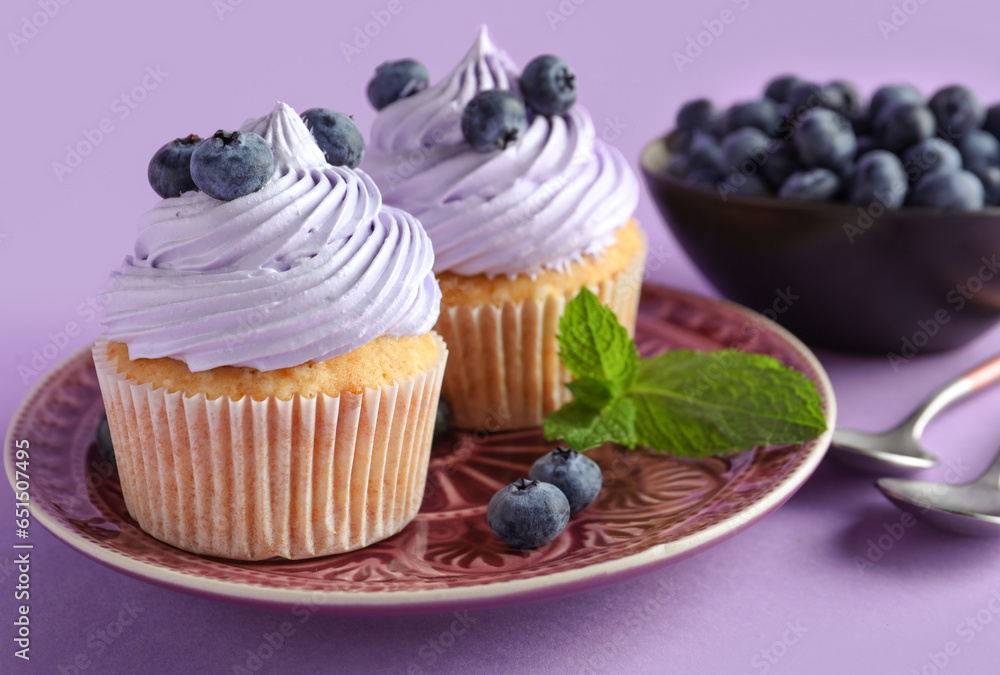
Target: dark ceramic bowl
(901,282)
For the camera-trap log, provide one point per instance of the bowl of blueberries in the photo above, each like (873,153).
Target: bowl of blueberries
(861,225)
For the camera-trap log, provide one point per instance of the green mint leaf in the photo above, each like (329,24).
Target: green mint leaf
(584,427)
(696,404)
(592,344)
(591,392)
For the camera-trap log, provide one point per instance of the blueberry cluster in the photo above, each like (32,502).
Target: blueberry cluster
(821,143)
(532,511)
(231,164)
(494,118)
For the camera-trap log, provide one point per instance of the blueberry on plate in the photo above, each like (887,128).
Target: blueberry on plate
(778,88)
(957,110)
(901,125)
(169,170)
(104,444)
(979,148)
(578,476)
(949,190)
(528,513)
(762,114)
(932,154)
(893,93)
(548,85)
(825,140)
(231,164)
(697,114)
(494,119)
(879,177)
(815,185)
(395,80)
(336,135)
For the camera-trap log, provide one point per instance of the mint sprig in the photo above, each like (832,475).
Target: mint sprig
(686,403)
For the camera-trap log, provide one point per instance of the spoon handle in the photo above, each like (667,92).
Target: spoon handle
(977,379)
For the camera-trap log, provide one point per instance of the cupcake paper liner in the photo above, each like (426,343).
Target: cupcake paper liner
(504,370)
(251,480)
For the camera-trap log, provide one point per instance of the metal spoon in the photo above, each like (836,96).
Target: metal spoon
(898,451)
(970,508)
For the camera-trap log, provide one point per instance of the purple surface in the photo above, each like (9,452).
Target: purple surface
(786,596)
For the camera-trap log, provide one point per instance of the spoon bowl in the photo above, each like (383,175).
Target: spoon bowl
(970,508)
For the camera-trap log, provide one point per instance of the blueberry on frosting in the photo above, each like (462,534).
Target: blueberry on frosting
(169,170)
(395,80)
(231,164)
(494,119)
(548,85)
(337,136)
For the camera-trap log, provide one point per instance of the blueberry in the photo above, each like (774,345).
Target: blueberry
(493,119)
(957,110)
(697,114)
(678,140)
(169,171)
(927,156)
(865,144)
(989,176)
(744,185)
(893,93)
(527,513)
(804,96)
(844,98)
(704,152)
(578,476)
(781,163)
(336,135)
(825,139)
(815,185)
(992,121)
(104,444)
(762,114)
(949,190)
(231,164)
(677,166)
(395,80)
(548,85)
(901,125)
(707,179)
(979,148)
(879,177)
(778,89)
(745,150)
(442,419)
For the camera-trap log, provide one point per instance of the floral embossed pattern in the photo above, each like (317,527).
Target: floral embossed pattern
(653,508)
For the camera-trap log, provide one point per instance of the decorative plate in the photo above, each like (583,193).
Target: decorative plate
(654,509)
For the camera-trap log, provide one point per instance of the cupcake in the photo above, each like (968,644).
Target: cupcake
(270,371)
(520,221)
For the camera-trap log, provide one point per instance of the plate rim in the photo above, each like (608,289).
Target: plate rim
(495,594)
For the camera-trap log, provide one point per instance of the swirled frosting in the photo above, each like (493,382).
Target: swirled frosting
(555,195)
(309,267)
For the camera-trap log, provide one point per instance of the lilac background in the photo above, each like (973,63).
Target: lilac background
(721,609)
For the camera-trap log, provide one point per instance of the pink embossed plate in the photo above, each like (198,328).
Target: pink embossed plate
(654,509)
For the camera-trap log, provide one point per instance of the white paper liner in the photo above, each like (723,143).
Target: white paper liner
(251,480)
(504,370)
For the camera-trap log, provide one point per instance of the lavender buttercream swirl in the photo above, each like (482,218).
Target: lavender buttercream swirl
(309,267)
(555,195)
